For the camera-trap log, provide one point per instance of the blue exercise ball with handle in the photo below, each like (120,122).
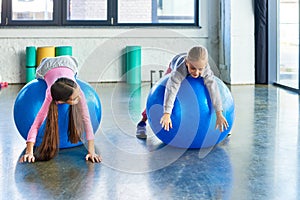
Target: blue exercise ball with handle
(193,115)
(30,99)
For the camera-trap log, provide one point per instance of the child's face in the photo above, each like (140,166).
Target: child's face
(196,68)
(75,97)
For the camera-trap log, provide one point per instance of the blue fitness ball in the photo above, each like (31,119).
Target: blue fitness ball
(193,116)
(30,99)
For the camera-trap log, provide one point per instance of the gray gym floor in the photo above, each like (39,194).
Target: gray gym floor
(259,161)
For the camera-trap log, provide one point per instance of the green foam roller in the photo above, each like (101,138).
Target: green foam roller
(133,64)
(30,74)
(30,56)
(63,51)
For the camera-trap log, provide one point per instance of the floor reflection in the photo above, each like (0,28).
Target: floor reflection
(207,178)
(67,176)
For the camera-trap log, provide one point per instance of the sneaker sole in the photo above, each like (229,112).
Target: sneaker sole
(141,136)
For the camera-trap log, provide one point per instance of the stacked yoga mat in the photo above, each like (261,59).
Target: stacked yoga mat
(133,64)
(34,56)
(30,63)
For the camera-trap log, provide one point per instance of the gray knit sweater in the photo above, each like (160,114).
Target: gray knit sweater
(179,73)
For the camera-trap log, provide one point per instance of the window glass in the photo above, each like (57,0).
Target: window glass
(32,10)
(87,10)
(99,12)
(158,11)
(289,43)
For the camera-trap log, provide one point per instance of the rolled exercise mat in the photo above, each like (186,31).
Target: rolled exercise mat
(63,51)
(133,64)
(30,56)
(30,73)
(44,52)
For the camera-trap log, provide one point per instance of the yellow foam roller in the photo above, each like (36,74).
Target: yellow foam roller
(44,52)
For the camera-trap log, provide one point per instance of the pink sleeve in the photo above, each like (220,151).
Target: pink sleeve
(86,118)
(42,114)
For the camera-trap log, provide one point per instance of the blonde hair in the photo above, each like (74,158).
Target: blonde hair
(197,53)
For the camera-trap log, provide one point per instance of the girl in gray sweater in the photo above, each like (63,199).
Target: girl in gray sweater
(194,64)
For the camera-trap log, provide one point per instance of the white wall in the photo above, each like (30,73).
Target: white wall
(100,50)
(242,42)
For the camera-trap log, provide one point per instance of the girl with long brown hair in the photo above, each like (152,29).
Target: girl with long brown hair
(59,74)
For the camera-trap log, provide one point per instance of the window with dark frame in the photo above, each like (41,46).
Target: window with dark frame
(99,12)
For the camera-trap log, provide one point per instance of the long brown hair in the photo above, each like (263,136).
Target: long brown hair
(61,90)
